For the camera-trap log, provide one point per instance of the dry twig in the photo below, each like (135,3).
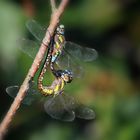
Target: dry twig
(53,5)
(56,13)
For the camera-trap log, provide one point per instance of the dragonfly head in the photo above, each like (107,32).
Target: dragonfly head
(67,76)
(60,29)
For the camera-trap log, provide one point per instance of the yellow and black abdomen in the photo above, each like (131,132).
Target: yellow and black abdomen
(52,90)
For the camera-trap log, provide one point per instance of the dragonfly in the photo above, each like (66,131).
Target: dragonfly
(62,107)
(62,76)
(72,54)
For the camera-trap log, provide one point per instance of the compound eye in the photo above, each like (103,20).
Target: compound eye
(61,26)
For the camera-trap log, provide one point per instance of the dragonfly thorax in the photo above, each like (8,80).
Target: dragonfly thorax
(67,76)
(60,29)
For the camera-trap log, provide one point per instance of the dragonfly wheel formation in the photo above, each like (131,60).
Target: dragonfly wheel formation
(61,76)
(66,55)
(58,45)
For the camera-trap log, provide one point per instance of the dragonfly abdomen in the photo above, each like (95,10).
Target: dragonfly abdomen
(55,88)
(41,75)
(46,91)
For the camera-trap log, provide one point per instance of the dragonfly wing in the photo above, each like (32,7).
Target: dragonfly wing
(36,30)
(81,53)
(67,61)
(57,108)
(80,110)
(84,112)
(30,95)
(12,91)
(29,47)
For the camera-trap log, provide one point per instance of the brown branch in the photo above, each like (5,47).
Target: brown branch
(53,5)
(36,63)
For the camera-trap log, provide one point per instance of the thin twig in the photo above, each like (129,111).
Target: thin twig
(36,63)
(53,5)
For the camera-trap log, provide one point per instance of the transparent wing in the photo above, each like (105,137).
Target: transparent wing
(80,110)
(30,97)
(36,30)
(84,112)
(58,108)
(67,61)
(73,55)
(29,47)
(66,108)
(81,53)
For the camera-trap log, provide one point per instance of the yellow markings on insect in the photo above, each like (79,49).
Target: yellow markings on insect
(50,91)
(60,38)
(57,45)
(57,88)
(62,85)
(47,91)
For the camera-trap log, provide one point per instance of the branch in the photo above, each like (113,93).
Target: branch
(32,71)
(53,5)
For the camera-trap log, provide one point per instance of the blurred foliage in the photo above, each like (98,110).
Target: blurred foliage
(11,29)
(111,85)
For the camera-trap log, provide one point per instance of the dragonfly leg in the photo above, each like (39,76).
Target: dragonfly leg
(61,92)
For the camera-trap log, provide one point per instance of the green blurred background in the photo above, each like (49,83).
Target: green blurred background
(111,85)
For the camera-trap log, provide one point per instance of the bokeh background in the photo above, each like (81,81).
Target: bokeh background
(111,85)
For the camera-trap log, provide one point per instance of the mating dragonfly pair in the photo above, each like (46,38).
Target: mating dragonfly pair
(67,56)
